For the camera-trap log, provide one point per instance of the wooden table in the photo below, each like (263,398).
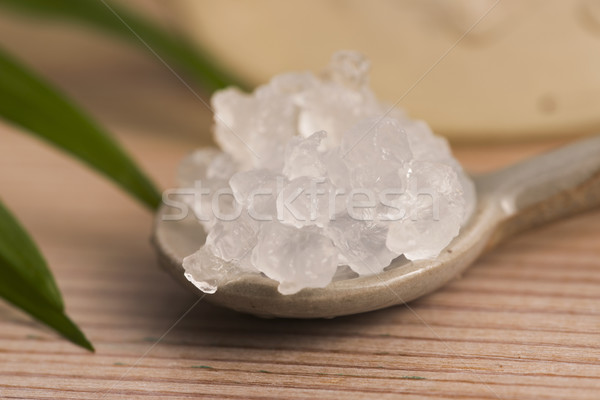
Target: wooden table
(523,323)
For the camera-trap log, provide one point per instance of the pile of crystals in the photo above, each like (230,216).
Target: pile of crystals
(315,174)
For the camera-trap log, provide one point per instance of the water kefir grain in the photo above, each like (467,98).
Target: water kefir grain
(320,175)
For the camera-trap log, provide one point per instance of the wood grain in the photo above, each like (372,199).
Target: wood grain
(523,323)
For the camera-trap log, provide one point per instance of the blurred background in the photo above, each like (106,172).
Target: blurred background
(525,70)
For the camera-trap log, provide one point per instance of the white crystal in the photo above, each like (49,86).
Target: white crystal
(233,240)
(436,209)
(324,178)
(257,191)
(373,150)
(362,245)
(207,272)
(302,157)
(304,201)
(334,108)
(195,166)
(203,173)
(296,258)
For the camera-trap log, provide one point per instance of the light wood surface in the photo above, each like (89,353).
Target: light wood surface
(523,323)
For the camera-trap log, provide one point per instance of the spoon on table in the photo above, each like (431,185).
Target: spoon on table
(541,189)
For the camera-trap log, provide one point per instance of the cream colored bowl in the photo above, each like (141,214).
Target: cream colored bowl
(526,69)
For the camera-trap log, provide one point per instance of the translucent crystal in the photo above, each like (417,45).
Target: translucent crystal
(334,108)
(304,201)
(254,129)
(207,272)
(233,240)
(349,69)
(203,173)
(296,258)
(338,171)
(257,191)
(435,211)
(362,245)
(373,150)
(195,166)
(302,157)
(222,167)
(318,176)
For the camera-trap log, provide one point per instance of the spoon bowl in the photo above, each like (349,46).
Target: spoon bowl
(541,189)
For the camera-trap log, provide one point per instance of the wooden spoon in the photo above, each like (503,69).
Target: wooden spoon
(544,188)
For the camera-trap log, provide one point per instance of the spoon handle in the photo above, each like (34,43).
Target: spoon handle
(550,186)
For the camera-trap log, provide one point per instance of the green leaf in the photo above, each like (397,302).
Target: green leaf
(17,249)
(26,282)
(29,102)
(134,28)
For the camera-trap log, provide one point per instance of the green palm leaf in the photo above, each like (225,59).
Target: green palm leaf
(26,282)
(29,102)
